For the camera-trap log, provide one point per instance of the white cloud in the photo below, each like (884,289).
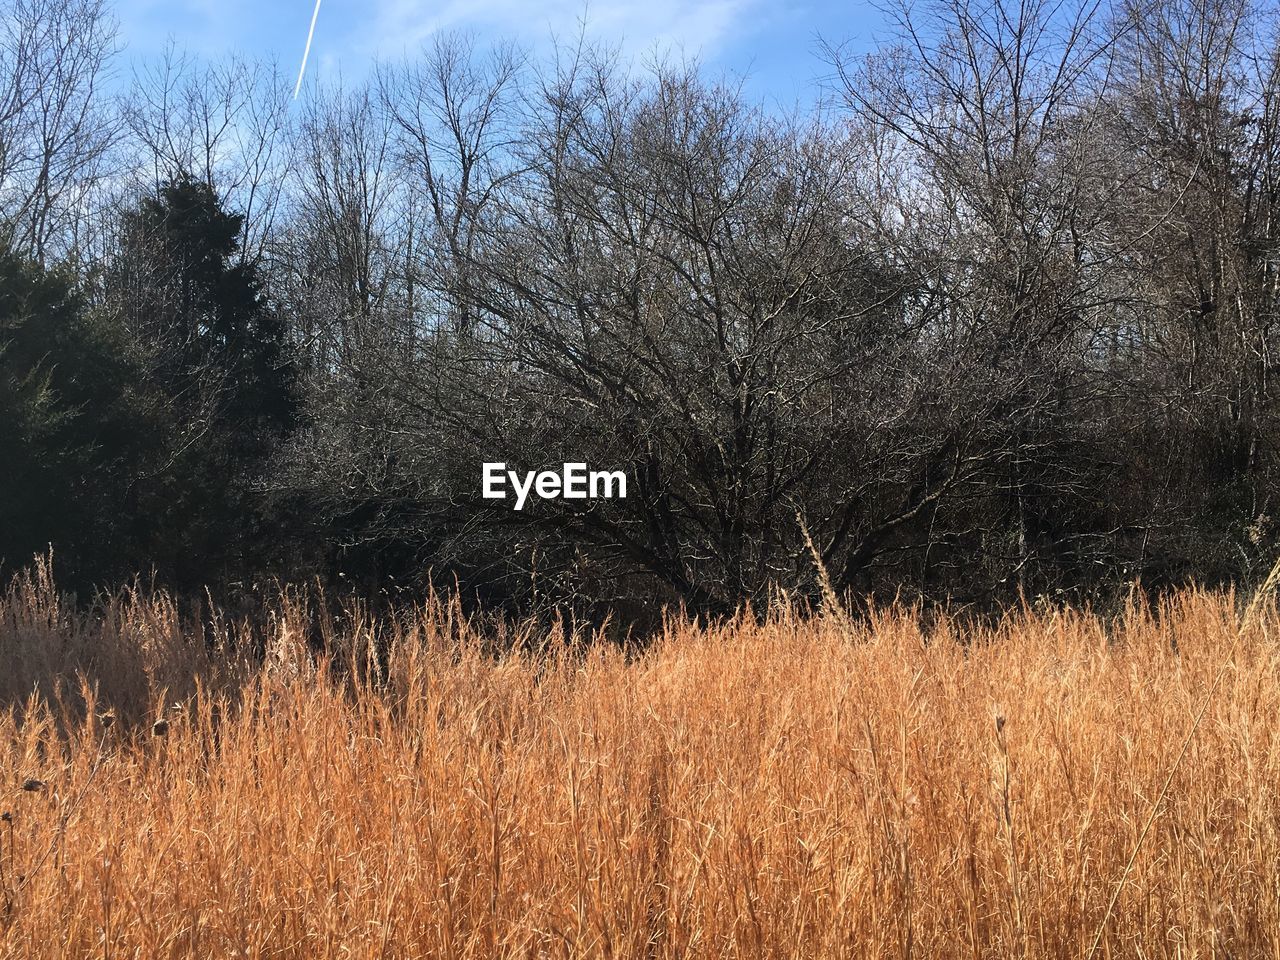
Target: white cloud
(691,27)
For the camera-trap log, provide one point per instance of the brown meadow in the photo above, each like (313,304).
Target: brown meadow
(1058,785)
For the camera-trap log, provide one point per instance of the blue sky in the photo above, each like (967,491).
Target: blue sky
(769,42)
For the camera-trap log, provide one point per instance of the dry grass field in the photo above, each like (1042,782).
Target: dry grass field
(1058,786)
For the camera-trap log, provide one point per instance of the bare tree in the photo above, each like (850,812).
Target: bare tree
(455,118)
(225,124)
(991,112)
(54,128)
(1198,115)
(661,279)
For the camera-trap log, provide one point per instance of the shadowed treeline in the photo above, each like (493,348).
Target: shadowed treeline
(997,318)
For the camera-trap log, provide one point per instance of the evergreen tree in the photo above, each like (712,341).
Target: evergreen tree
(66,430)
(218,378)
(213,336)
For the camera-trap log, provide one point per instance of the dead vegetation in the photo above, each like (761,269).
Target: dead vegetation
(1062,785)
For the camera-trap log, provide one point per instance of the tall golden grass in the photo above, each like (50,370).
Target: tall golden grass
(1058,785)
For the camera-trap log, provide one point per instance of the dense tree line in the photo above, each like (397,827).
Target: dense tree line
(998,316)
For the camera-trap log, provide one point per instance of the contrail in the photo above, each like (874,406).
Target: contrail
(307,52)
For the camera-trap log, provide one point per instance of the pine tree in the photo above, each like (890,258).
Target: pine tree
(218,377)
(66,429)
